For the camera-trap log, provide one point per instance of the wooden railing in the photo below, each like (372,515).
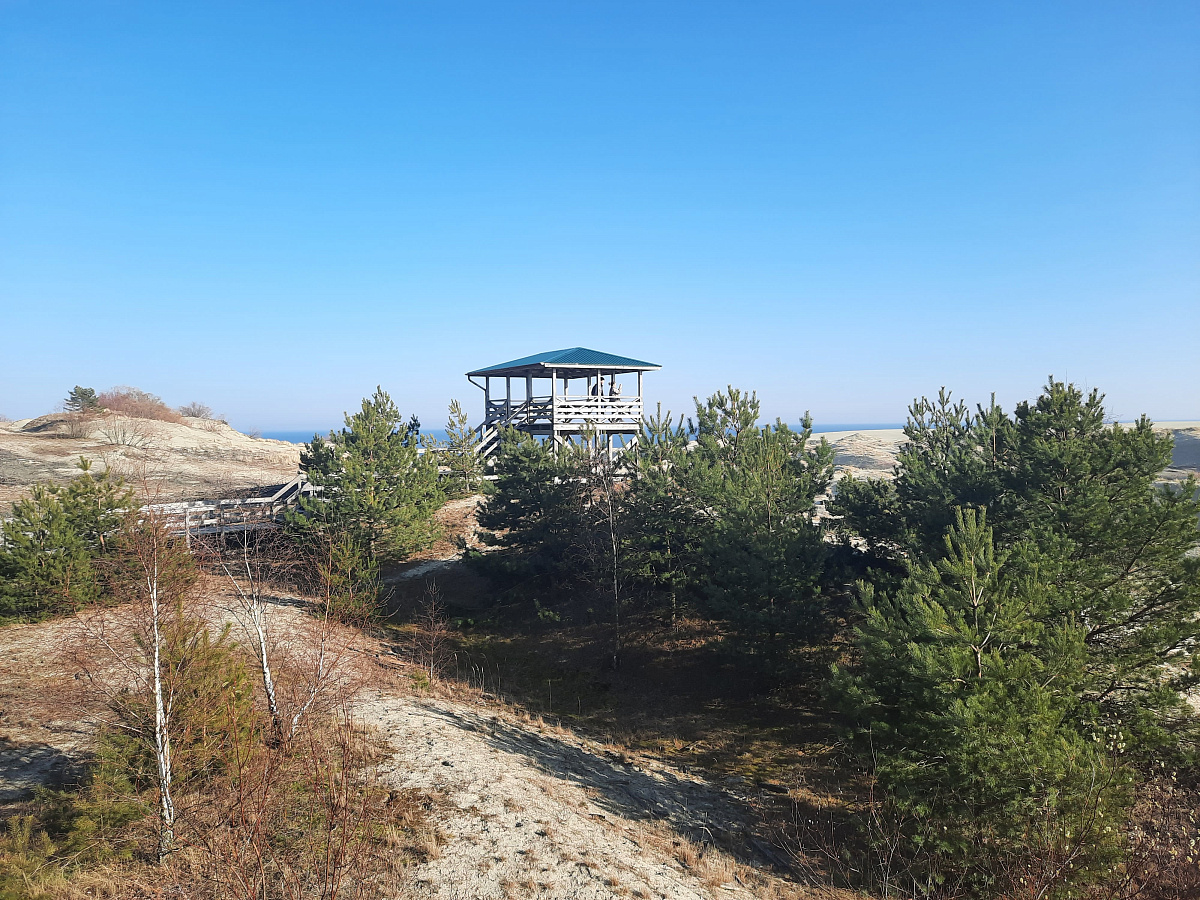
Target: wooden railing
(597,409)
(200,517)
(572,411)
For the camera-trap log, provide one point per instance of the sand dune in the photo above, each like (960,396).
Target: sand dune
(193,459)
(872,454)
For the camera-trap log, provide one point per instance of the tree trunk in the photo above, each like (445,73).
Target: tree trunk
(162,733)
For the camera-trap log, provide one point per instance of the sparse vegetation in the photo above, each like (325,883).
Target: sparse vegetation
(1014,621)
(1021,643)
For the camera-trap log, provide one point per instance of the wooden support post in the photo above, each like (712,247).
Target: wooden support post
(507,398)
(554,407)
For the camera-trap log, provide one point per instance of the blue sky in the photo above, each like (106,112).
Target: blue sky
(273,207)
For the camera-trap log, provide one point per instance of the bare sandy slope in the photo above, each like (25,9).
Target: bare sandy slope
(536,811)
(199,458)
(42,732)
(872,454)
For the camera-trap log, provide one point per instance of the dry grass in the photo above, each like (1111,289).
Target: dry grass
(233,839)
(125,431)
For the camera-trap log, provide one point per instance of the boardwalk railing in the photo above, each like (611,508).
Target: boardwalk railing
(231,515)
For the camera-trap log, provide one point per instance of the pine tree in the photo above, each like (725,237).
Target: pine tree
(1086,494)
(761,559)
(81,400)
(52,542)
(665,528)
(951,458)
(373,483)
(964,708)
(461,456)
(1095,574)
(1083,493)
(534,508)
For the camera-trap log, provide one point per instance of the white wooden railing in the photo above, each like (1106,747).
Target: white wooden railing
(597,409)
(574,411)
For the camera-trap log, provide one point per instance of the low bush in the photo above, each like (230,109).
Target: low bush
(124,431)
(196,410)
(137,404)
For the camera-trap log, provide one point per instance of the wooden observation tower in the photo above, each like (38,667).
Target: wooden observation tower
(562,394)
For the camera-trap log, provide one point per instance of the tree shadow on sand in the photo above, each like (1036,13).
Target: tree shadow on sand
(695,809)
(26,767)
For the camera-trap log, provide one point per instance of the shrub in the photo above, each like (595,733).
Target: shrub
(78,424)
(126,432)
(196,410)
(137,404)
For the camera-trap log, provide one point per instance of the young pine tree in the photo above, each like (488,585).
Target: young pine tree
(762,557)
(533,511)
(461,455)
(374,485)
(1119,548)
(665,526)
(964,709)
(52,542)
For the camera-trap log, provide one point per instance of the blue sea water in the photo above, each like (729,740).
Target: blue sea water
(856,426)
(303,437)
(294,437)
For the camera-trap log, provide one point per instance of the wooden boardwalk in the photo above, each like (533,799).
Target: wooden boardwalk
(234,514)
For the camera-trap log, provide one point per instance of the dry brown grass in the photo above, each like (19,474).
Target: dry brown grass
(126,431)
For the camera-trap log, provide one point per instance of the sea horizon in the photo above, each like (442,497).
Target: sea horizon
(303,436)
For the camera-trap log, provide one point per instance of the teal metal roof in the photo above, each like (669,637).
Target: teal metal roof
(571,358)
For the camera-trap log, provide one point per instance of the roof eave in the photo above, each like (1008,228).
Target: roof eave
(546,367)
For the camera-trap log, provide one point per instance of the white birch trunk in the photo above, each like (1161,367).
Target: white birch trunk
(162,724)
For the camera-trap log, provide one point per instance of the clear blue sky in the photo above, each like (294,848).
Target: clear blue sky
(273,207)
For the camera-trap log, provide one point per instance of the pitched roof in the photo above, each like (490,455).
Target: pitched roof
(571,358)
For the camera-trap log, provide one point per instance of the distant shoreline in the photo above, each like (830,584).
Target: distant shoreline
(303,436)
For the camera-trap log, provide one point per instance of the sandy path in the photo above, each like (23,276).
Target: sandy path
(541,814)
